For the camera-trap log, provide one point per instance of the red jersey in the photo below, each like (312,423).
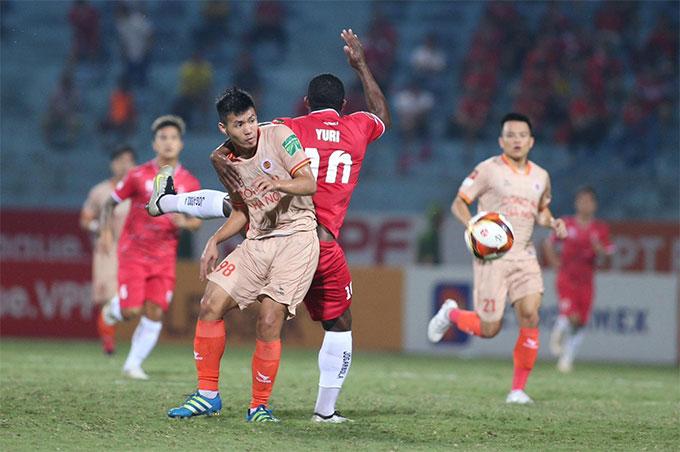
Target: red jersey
(336,146)
(143,234)
(578,254)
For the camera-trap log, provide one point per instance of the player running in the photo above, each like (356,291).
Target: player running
(270,184)
(587,239)
(147,250)
(336,145)
(520,190)
(105,263)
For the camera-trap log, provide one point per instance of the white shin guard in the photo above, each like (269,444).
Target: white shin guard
(335,358)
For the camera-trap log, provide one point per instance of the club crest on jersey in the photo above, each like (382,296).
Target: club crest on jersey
(266,165)
(537,186)
(292,145)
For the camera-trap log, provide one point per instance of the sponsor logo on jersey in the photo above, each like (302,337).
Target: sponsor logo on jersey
(292,145)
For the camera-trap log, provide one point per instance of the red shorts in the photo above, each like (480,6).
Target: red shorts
(575,298)
(331,292)
(142,279)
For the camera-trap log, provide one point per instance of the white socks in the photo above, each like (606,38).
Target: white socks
(562,325)
(335,358)
(572,344)
(113,314)
(208,394)
(204,204)
(143,341)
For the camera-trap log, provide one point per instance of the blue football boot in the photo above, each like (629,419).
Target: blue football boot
(261,414)
(197,405)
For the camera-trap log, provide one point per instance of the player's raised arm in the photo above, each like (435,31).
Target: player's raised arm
(375,99)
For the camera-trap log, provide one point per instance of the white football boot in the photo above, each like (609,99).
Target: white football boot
(162,185)
(335,418)
(518,396)
(557,337)
(135,373)
(440,323)
(564,364)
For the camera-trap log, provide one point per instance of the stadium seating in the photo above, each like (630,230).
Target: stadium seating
(35,49)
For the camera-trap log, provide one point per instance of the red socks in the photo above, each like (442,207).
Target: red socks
(265,365)
(524,357)
(466,321)
(209,344)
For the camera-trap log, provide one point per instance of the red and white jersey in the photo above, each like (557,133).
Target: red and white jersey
(143,234)
(578,256)
(336,146)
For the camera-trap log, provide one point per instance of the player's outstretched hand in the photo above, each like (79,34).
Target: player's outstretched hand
(559,227)
(353,49)
(208,259)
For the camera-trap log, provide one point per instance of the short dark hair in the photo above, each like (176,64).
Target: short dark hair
(325,91)
(124,149)
(234,101)
(168,120)
(586,189)
(517,117)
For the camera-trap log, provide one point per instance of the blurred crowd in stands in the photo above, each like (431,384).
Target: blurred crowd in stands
(593,84)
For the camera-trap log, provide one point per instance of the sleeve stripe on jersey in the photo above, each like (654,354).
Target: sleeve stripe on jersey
(375,118)
(116,197)
(297,167)
(464,198)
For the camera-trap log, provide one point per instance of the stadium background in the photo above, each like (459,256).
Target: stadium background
(599,80)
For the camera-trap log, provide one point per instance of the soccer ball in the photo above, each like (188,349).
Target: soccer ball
(489,236)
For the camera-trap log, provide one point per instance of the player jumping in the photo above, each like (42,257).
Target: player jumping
(147,250)
(520,190)
(336,145)
(270,184)
(587,239)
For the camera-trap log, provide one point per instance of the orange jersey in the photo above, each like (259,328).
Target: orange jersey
(519,195)
(279,155)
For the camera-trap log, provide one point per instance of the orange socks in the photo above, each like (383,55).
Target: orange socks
(265,365)
(466,321)
(524,357)
(209,344)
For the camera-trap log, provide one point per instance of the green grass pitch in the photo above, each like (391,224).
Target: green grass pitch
(68,396)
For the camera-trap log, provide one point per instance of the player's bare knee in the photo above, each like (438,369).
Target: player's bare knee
(153,312)
(490,329)
(131,313)
(339,324)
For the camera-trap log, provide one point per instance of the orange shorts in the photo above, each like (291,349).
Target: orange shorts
(280,268)
(497,280)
